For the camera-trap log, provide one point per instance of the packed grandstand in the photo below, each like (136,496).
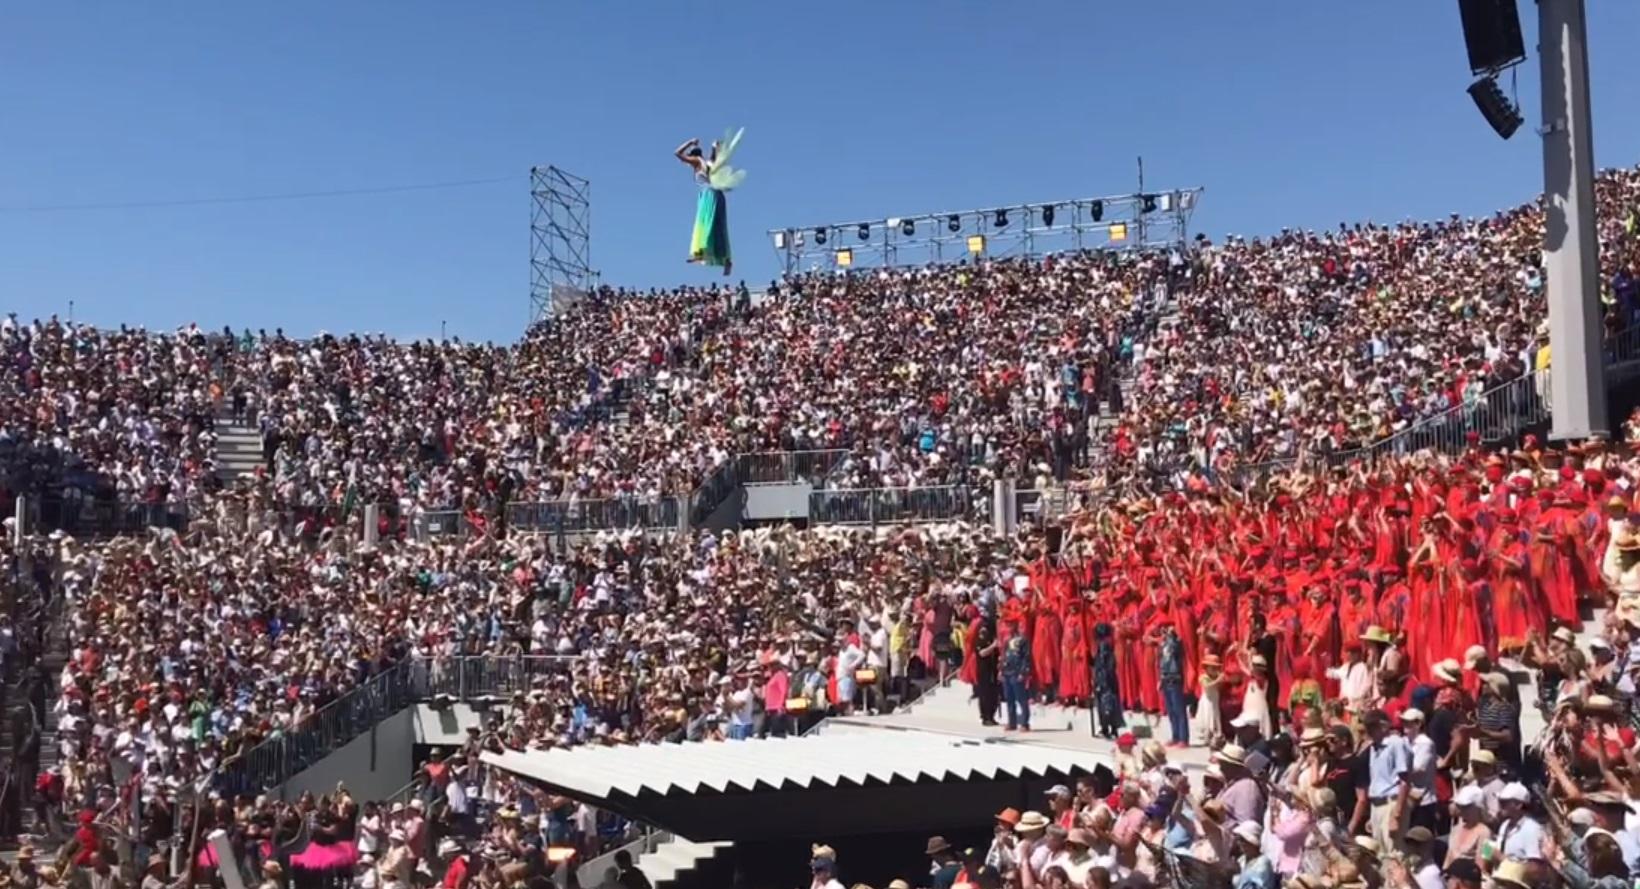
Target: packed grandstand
(1344,630)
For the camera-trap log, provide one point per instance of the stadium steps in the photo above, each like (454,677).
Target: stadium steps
(238,450)
(951,710)
(1531,718)
(675,860)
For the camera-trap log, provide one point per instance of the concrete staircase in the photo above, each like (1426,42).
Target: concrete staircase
(674,860)
(238,450)
(670,862)
(1531,718)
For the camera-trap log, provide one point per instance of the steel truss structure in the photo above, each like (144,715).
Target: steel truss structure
(560,240)
(1119,222)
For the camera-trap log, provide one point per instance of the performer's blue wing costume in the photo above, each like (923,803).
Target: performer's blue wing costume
(709,244)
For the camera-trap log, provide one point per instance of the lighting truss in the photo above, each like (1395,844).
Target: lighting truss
(1108,223)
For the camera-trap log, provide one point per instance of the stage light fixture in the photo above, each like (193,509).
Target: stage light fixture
(953,223)
(864,231)
(1147,203)
(820,236)
(908,228)
(1498,110)
(1002,219)
(1096,210)
(1047,215)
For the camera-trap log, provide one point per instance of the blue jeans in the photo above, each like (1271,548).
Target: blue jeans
(1178,714)
(1018,701)
(740,732)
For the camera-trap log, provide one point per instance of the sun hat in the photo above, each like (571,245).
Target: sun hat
(1031,821)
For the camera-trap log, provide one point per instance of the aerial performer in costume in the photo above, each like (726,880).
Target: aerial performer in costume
(710,243)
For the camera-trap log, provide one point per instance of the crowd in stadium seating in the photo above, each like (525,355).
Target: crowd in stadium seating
(188,649)
(1304,341)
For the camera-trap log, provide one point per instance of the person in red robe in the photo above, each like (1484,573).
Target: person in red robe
(1552,553)
(1075,681)
(1467,590)
(1320,636)
(1045,651)
(1517,611)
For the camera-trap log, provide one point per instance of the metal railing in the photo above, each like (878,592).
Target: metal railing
(890,506)
(716,488)
(1496,414)
(787,467)
(101,517)
(465,677)
(272,762)
(440,523)
(456,678)
(579,516)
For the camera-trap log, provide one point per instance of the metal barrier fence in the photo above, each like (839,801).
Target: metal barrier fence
(717,487)
(464,677)
(99,517)
(577,516)
(785,467)
(441,523)
(889,506)
(1498,413)
(458,678)
(276,759)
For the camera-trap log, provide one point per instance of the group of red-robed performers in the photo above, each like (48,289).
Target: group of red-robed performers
(1443,554)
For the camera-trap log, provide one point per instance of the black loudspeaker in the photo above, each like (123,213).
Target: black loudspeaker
(1495,106)
(1491,31)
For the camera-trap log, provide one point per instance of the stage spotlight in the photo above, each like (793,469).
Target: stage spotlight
(865,231)
(1495,106)
(908,228)
(1002,219)
(1047,215)
(953,223)
(1096,210)
(1147,203)
(820,236)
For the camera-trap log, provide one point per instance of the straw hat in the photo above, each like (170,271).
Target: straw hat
(1031,821)
(1599,704)
(1232,754)
(1447,671)
(1564,634)
(1376,633)
(1512,873)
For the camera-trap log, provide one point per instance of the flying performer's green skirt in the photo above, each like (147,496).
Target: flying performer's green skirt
(710,243)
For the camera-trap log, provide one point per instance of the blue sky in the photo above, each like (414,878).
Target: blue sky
(1289,112)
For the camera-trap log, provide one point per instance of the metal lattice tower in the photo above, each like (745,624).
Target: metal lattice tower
(560,240)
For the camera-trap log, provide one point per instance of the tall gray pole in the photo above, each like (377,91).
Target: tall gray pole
(1570,250)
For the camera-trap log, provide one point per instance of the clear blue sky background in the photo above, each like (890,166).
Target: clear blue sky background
(1290,113)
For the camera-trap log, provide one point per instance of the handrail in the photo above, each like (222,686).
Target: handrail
(1532,389)
(874,506)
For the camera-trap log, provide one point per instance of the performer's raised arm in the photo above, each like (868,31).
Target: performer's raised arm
(689,153)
